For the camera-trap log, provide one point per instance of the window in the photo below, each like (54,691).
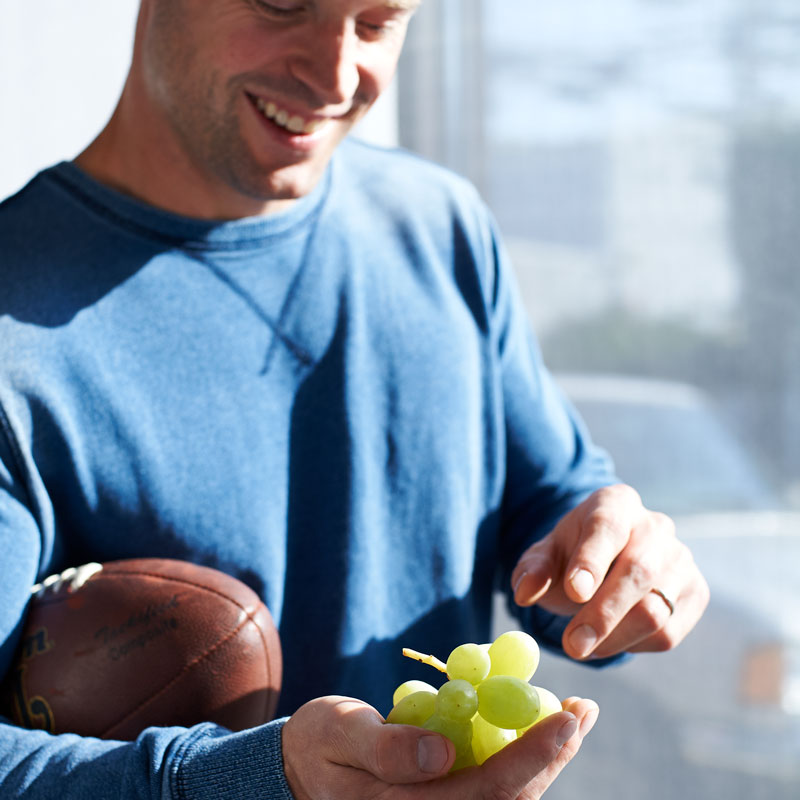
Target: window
(643,160)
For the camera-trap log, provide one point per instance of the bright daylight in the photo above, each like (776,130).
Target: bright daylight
(400,400)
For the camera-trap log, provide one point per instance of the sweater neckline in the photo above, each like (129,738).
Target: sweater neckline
(150,222)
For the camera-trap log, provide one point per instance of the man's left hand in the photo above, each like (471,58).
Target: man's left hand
(630,584)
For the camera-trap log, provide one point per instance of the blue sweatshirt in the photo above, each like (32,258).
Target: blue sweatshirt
(341,405)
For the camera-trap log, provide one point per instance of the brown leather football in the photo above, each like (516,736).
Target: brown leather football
(108,650)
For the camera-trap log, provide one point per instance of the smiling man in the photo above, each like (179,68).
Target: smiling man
(231,334)
(234,108)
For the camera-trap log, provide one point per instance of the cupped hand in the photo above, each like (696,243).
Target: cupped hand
(338,748)
(620,571)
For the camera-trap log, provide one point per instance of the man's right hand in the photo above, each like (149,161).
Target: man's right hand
(339,748)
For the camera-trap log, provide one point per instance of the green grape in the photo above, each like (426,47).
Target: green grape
(514,653)
(413,709)
(457,700)
(548,704)
(465,759)
(459,733)
(409,687)
(507,702)
(488,739)
(468,662)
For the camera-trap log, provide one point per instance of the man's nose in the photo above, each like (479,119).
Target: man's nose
(328,63)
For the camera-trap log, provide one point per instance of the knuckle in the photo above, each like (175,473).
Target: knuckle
(654,612)
(605,620)
(663,522)
(340,743)
(685,560)
(603,520)
(621,492)
(387,749)
(641,571)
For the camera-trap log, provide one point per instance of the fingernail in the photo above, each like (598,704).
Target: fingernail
(432,754)
(519,582)
(583,639)
(583,582)
(566,731)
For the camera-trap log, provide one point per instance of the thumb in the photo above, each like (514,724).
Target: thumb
(535,571)
(397,753)
(533,761)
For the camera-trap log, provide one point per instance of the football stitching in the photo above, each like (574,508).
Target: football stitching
(108,573)
(186,668)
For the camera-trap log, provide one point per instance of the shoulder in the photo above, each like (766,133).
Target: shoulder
(37,222)
(398,175)
(392,187)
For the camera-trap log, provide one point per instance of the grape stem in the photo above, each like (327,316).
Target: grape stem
(431,661)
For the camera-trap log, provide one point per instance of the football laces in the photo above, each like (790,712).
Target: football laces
(69,580)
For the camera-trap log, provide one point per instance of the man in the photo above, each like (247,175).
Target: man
(230,336)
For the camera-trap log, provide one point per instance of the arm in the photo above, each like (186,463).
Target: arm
(593,572)
(331,747)
(203,762)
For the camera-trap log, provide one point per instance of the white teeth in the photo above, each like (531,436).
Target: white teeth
(296,124)
(293,123)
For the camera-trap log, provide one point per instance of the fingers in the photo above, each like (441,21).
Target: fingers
(525,768)
(533,575)
(615,606)
(406,754)
(391,753)
(601,565)
(608,520)
(689,601)
(340,747)
(565,569)
(624,612)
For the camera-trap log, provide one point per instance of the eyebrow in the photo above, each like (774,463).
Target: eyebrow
(404,5)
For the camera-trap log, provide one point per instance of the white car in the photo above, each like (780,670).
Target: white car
(718,718)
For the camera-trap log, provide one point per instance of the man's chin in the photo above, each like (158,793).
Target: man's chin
(292,184)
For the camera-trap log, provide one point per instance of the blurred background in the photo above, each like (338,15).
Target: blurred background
(643,160)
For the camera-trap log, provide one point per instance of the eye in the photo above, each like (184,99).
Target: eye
(372,29)
(278,10)
(382,25)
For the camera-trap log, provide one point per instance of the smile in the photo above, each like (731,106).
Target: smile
(293,123)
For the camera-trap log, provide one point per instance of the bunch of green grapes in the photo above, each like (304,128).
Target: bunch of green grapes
(487,701)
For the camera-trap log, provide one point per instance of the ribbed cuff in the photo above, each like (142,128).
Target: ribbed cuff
(215,764)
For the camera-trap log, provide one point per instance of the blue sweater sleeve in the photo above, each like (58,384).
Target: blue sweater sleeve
(202,763)
(163,763)
(552,462)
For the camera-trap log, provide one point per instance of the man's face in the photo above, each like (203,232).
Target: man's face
(250,98)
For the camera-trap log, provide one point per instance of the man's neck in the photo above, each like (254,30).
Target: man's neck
(147,168)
